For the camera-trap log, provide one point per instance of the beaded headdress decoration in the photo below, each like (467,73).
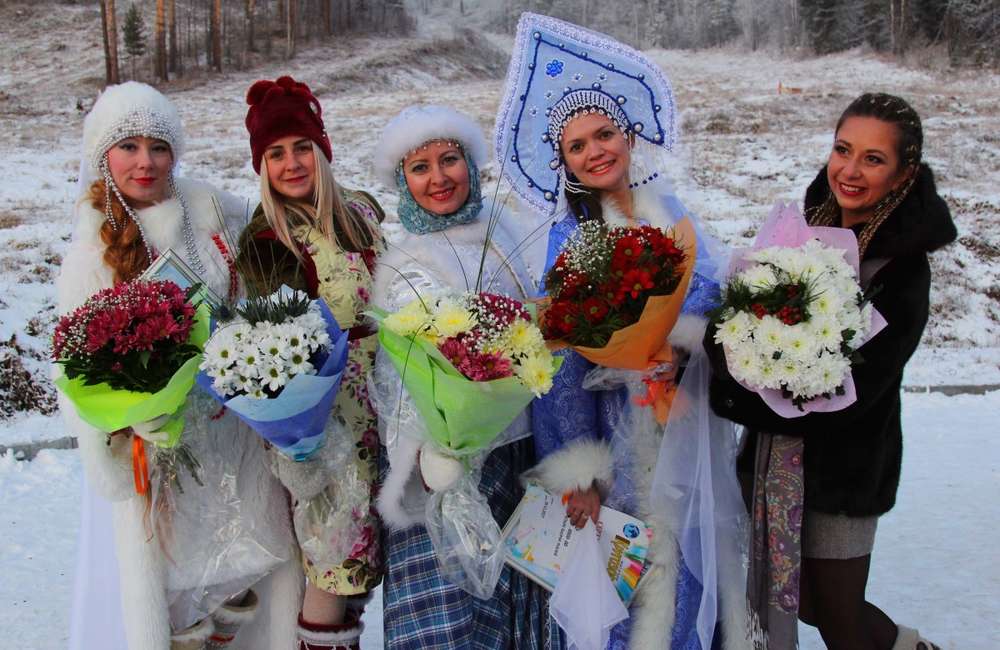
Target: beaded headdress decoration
(153,117)
(558,71)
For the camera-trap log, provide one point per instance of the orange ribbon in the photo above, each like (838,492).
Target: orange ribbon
(659,396)
(140,468)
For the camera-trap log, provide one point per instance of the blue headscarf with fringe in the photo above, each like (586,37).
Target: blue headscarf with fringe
(420,221)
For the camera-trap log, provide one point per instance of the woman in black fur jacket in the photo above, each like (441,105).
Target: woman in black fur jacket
(875,184)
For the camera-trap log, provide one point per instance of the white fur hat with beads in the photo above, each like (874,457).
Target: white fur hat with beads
(125,111)
(414,127)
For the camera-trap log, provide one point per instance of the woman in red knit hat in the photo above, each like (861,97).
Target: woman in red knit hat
(311,234)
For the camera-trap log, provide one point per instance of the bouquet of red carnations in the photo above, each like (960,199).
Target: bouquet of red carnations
(604,278)
(130,355)
(616,294)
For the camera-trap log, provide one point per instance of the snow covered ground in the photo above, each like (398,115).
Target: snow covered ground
(936,563)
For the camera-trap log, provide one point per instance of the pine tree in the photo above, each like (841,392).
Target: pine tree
(134,35)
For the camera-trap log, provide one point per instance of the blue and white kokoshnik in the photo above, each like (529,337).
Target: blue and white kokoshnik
(558,70)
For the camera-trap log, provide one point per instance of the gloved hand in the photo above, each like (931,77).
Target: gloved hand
(439,471)
(307,478)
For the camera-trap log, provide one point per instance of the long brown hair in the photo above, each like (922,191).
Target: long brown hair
(909,147)
(125,254)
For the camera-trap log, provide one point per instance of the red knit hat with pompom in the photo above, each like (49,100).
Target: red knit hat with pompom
(281,108)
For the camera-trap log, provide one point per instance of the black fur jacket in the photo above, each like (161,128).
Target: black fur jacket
(852,457)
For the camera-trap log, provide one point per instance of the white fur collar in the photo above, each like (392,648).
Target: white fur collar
(647,206)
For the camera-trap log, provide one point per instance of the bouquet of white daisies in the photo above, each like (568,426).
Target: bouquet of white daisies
(793,315)
(277,364)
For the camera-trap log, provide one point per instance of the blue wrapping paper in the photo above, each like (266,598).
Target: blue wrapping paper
(295,420)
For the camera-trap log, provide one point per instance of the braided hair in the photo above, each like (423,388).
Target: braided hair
(909,148)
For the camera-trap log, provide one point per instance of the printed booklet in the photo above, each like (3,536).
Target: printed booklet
(539,538)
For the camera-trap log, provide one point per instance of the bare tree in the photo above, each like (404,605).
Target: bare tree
(111,42)
(291,22)
(215,27)
(160,39)
(251,6)
(174,49)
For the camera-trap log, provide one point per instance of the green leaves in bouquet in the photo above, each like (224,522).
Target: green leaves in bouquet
(146,372)
(275,308)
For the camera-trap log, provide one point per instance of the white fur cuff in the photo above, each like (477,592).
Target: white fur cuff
(237,614)
(576,466)
(341,637)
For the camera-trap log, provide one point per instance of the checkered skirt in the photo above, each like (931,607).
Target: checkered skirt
(423,610)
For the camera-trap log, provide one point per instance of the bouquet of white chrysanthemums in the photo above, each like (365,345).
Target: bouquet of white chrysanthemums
(278,364)
(793,315)
(258,358)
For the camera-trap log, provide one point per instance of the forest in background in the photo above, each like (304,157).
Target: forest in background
(966,32)
(158,40)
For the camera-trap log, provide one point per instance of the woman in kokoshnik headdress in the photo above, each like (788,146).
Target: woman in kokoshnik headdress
(431,155)
(581,135)
(208,585)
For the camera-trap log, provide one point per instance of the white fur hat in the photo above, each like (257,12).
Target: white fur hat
(417,125)
(128,110)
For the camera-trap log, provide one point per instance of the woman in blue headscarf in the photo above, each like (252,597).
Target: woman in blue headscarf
(581,135)
(454,240)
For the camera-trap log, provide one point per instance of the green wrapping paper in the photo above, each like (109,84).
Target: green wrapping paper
(110,409)
(461,415)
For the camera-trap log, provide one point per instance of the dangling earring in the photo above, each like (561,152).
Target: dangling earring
(108,185)
(573,184)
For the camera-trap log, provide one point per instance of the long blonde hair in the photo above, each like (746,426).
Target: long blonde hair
(344,227)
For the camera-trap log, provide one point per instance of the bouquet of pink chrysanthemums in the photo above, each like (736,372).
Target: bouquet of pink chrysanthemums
(129,355)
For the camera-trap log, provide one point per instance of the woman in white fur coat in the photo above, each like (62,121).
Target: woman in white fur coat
(431,156)
(228,576)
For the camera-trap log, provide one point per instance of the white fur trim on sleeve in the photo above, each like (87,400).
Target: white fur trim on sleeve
(577,466)
(401,499)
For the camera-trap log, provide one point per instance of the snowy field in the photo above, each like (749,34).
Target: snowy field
(936,563)
(743,146)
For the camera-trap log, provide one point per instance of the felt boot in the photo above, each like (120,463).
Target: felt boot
(194,637)
(229,618)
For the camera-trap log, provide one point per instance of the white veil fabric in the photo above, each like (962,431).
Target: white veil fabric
(695,486)
(96,619)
